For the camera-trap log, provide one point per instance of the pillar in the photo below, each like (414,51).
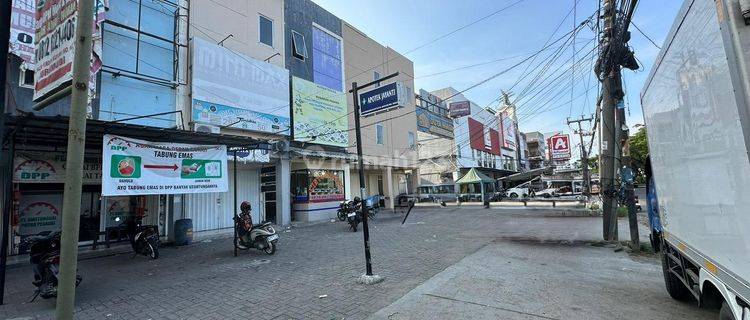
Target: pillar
(283,190)
(389,187)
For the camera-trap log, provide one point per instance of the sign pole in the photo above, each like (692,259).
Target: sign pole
(234,170)
(368,277)
(74,161)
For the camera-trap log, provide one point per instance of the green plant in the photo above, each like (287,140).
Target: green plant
(622,212)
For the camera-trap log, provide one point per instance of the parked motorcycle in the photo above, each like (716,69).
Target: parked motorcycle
(44,253)
(143,239)
(345,207)
(261,236)
(354,215)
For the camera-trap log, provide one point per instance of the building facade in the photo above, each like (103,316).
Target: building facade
(435,141)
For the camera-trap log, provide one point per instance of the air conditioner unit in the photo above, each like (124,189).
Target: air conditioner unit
(207,128)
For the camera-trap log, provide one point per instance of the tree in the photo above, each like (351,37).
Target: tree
(639,152)
(594,164)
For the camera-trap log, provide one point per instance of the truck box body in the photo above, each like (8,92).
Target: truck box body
(696,113)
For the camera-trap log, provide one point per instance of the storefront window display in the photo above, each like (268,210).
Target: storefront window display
(318,185)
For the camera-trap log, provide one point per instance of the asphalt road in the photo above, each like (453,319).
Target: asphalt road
(313,274)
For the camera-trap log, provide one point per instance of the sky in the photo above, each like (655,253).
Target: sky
(504,39)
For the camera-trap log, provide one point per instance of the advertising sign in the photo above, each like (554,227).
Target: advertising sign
(320,114)
(459,109)
(39,213)
(509,131)
(55,44)
(382,98)
(560,147)
(22,31)
(434,124)
(230,89)
(41,167)
(137,167)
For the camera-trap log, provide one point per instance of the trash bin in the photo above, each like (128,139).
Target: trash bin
(183,232)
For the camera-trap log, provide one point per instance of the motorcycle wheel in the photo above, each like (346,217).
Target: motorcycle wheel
(270,248)
(152,251)
(353,227)
(341,215)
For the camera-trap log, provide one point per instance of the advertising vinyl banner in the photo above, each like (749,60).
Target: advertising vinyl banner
(320,114)
(230,89)
(560,147)
(138,167)
(22,31)
(46,167)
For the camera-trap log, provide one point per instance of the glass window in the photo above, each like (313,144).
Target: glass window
(412,144)
(379,134)
(125,97)
(376,76)
(265,28)
(327,68)
(156,58)
(124,12)
(157,18)
(120,48)
(299,48)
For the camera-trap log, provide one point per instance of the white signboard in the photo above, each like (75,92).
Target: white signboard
(39,213)
(22,31)
(560,147)
(136,167)
(48,167)
(55,42)
(230,89)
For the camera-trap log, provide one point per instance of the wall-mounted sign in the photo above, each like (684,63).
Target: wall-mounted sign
(320,114)
(46,167)
(22,31)
(459,109)
(382,98)
(39,213)
(135,167)
(559,146)
(434,124)
(237,91)
(508,130)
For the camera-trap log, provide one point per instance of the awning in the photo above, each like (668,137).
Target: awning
(525,176)
(474,176)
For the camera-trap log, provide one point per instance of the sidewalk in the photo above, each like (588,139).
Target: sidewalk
(512,280)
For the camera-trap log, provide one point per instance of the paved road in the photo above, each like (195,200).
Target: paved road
(313,274)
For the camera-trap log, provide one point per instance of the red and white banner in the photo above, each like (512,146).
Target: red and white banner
(559,146)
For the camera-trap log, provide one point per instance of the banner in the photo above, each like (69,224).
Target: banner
(22,31)
(230,89)
(560,147)
(46,167)
(136,167)
(434,124)
(460,109)
(320,114)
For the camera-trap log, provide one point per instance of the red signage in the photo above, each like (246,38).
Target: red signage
(459,109)
(559,146)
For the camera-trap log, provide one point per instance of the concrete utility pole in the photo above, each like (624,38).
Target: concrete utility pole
(610,77)
(584,156)
(74,161)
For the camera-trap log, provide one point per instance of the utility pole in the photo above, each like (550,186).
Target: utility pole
(74,161)
(584,156)
(609,74)
(5,10)
(368,277)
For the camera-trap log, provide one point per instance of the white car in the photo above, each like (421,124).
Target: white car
(547,193)
(515,193)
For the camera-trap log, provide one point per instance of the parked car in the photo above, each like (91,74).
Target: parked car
(515,193)
(547,193)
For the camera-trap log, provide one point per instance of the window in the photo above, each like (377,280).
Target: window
(376,76)
(299,49)
(412,144)
(318,185)
(379,134)
(326,54)
(265,30)
(26,78)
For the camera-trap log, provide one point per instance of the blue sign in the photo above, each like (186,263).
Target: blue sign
(380,98)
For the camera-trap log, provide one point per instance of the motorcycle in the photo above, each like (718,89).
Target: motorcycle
(262,236)
(44,253)
(143,239)
(354,215)
(345,207)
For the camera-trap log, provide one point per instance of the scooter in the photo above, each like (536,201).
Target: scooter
(262,236)
(143,239)
(44,256)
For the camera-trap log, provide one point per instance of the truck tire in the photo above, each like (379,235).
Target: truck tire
(726,312)
(675,287)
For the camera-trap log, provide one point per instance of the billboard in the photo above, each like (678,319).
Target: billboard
(138,167)
(233,90)
(382,98)
(509,131)
(559,146)
(460,109)
(22,31)
(320,114)
(434,124)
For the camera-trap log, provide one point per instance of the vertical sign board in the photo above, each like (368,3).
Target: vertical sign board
(55,44)
(138,167)
(560,147)
(320,114)
(382,98)
(22,31)
(230,89)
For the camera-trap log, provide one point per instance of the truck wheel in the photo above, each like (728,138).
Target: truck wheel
(726,312)
(675,287)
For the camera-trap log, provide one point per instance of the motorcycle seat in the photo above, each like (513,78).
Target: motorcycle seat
(261,225)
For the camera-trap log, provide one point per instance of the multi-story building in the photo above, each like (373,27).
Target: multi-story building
(435,141)
(537,144)
(388,138)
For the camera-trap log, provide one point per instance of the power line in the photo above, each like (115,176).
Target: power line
(644,34)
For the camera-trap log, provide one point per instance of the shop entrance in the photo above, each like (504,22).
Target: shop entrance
(268,191)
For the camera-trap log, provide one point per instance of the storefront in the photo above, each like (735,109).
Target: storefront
(35,182)
(319,183)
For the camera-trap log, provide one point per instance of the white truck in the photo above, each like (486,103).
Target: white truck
(697,112)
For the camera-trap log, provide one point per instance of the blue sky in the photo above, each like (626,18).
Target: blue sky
(520,30)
